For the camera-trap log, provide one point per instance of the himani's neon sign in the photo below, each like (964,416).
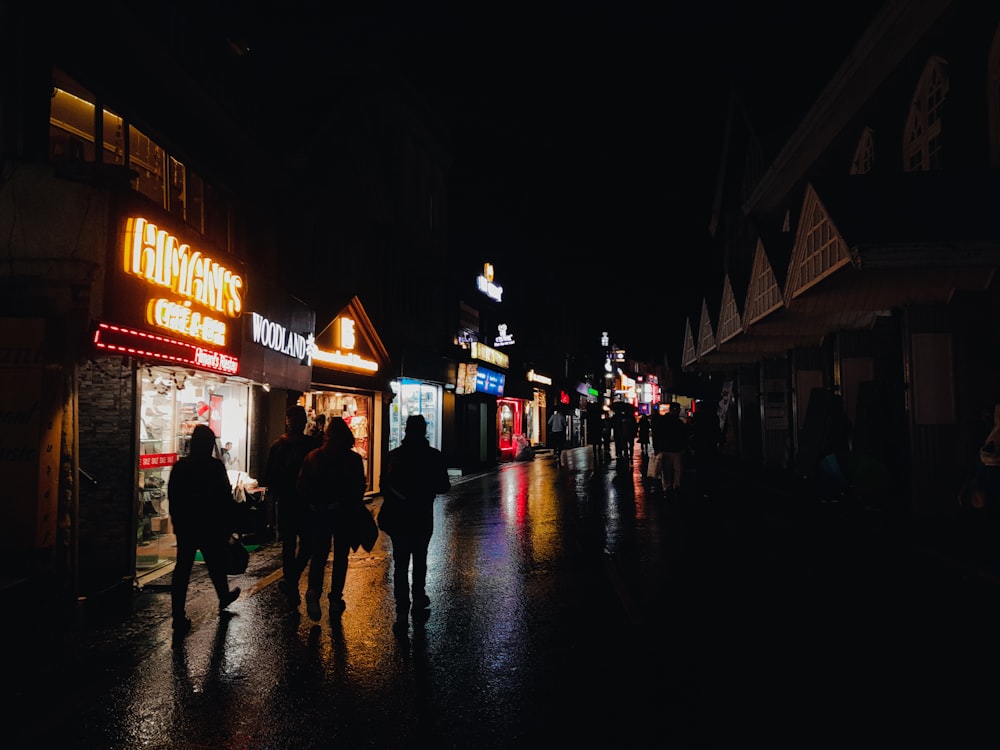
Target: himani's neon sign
(160,259)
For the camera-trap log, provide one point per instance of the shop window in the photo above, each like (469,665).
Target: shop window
(353,408)
(177,193)
(114,138)
(172,402)
(147,159)
(71,123)
(922,144)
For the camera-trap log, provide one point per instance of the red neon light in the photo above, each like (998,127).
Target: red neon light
(118,339)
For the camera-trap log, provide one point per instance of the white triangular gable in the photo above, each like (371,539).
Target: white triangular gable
(819,249)
(763,295)
(729,314)
(706,336)
(690,355)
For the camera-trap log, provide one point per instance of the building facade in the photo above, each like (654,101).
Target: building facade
(860,255)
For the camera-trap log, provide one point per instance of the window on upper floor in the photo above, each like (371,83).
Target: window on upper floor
(922,137)
(864,154)
(77,122)
(993,98)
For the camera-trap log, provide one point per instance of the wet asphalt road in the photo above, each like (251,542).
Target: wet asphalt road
(572,604)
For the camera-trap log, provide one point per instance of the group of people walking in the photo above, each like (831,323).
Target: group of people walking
(318,483)
(668,443)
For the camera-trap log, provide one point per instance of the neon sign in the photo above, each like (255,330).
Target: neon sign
(535,377)
(180,318)
(160,259)
(503,338)
(484,283)
(346,338)
(144,344)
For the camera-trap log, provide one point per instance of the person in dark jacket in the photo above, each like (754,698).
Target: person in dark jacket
(281,473)
(332,482)
(203,512)
(643,428)
(414,474)
(672,441)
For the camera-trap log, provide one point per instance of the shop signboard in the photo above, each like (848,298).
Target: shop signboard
(170,300)
(488,381)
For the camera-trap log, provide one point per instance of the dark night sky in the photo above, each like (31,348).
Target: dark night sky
(586,138)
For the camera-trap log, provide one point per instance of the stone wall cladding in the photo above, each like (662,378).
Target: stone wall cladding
(107,453)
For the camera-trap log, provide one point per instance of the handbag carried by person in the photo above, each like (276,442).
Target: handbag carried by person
(389,513)
(364,531)
(237,557)
(655,467)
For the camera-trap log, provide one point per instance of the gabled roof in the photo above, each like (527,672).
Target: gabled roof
(355,348)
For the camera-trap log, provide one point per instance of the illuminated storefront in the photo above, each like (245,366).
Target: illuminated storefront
(203,348)
(350,382)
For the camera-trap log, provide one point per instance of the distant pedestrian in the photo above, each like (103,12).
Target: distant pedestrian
(415,473)
(623,426)
(332,481)
(672,442)
(643,429)
(203,514)
(557,431)
(281,473)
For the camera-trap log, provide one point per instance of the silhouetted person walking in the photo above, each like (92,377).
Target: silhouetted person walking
(557,432)
(415,474)
(332,480)
(203,514)
(281,473)
(673,443)
(643,428)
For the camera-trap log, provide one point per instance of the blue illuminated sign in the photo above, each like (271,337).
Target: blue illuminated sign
(488,381)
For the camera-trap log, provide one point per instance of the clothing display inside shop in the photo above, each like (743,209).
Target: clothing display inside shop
(172,403)
(355,409)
